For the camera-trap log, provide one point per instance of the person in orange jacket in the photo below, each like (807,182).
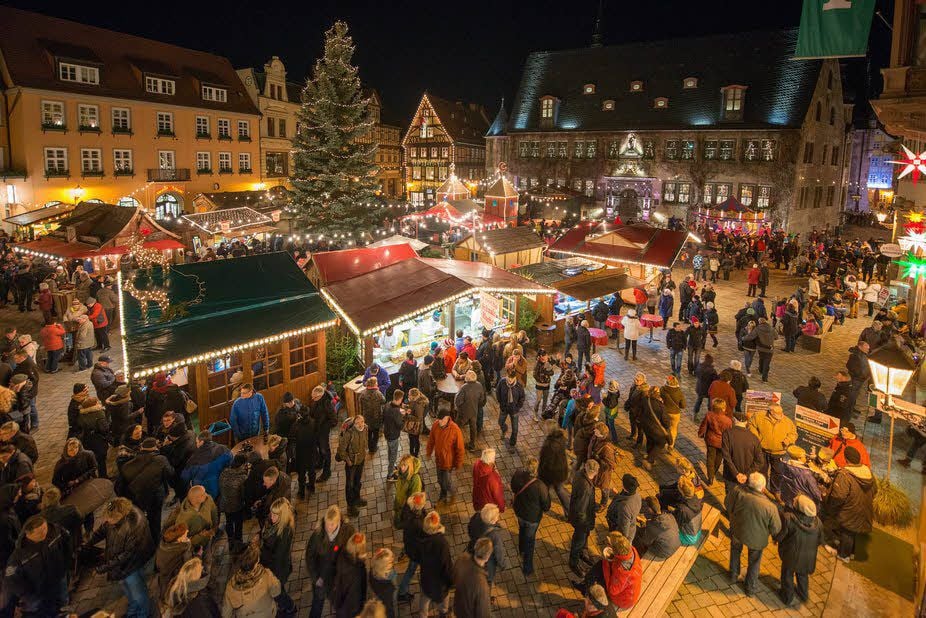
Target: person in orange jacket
(52,338)
(98,318)
(844,440)
(445,442)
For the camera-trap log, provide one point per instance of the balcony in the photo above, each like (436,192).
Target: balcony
(168,174)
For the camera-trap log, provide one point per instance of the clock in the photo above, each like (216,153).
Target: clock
(248,80)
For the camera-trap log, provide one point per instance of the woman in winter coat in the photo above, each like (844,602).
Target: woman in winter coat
(718,420)
(251,590)
(553,465)
(417,405)
(801,533)
(94,431)
(632,330)
(711,321)
(673,401)
(651,421)
(350,578)
(602,450)
(75,466)
(408,483)
(598,367)
(705,375)
(619,572)
(487,483)
(586,417)
(666,305)
(188,596)
(383,580)
(436,565)
(688,513)
(120,411)
(848,508)
(276,544)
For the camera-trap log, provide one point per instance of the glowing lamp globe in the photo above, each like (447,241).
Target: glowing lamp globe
(891,370)
(882,217)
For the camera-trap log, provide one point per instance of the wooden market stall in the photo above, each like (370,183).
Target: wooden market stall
(327,267)
(506,247)
(731,214)
(253,319)
(213,227)
(31,224)
(101,234)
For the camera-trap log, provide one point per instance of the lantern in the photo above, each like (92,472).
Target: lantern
(891,369)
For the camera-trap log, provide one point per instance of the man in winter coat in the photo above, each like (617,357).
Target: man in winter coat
(510,397)
(583,343)
(795,478)
(543,374)
(722,389)
(370,403)
(231,497)
(321,409)
(738,381)
(791,326)
(412,521)
(445,442)
(11,434)
(801,534)
(14,464)
(553,464)
(249,414)
(473,597)
(742,453)
(121,412)
(252,590)
(426,380)
(206,463)
(810,396)
(484,524)
(624,508)
(582,511)
(487,483)
(776,432)
(468,401)
(283,420)
(753,518)
(321,556)
(303,438)
(436,565)
(659,535)
(666,304)
(858,368)
(37,571)
(696,337)
(685,292)
(840,403)
(531,501)
(103,378)
(848,509)
(352,450)
(26,366)
(764,336)
(177,444)
(383,381)
(677,342)
(144,479)
(129,546)
(84,342)
(199,514)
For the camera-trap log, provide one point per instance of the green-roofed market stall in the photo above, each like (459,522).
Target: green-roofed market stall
(253,319)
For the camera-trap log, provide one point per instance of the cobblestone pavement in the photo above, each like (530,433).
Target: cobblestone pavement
(705,592)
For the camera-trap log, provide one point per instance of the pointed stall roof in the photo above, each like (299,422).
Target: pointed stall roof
(502,188)
(453,188)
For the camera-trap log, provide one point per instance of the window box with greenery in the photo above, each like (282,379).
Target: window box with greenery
(245,170)
(89,129)
(201,135)
(125,171)
(244,138)
(166,133)
(57,173)
(203,171)
(226,170)
(122,131)
(224,137)
(54,126)
(91,173)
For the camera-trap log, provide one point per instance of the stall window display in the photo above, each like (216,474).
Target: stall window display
(565,305)
(303,355)
(415,334)
(224,377)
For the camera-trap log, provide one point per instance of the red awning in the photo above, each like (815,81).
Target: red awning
(70,250)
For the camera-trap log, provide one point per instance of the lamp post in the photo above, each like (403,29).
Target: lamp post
(891,370)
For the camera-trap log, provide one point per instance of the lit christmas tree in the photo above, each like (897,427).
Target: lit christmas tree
(333,173)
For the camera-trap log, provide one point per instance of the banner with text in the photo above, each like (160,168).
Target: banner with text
(814,429)
(834,28)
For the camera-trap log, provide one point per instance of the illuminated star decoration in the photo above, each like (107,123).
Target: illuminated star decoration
(914,164)
(913,267)
(914,242)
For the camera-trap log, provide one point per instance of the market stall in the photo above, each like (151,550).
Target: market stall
(507,247)
(209,229)
(327,267)
(731,215)
(34,223)
(253,319)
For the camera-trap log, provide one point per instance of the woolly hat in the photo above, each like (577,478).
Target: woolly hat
(614,386)
(796,453)
(149,444)
(19,378)
(750,311)
(596,359)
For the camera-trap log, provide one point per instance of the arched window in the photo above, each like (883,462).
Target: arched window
(95,200)
(129,202)
(168,206)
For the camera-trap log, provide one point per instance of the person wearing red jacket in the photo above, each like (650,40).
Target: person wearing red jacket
(487,482)
(619,572)
(98,318)
(46,301)
(469,348)
(844,440)
(52,337)
(445,442)
(722,389)
(752,278)
(717,421)
(450,355)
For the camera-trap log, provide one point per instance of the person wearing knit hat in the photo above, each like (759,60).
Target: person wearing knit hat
(436,565)
(801,532)
(625,507)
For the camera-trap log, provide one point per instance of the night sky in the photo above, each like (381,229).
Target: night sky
(471,51)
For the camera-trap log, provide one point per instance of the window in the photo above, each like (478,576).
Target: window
(830,192)
(808,152)
(751,150)
(167,159)
(122,162)
(588,89)
(708,195)
(747,193)
(303,355)
(818,115)
(684,192)
(53,115)
(282,132)
(225,166)
(669,191)
(122,120)
(817,196)
(832,115)
(56,161)
(661,103)
(551,150)
(727,148)
(732,100)
(444,152)
(224,128)
(614,150)
(429,173)
(91,161)
(823,159)
(649,149)
(710,150)
(165,123)
(769,150)
(127,201)
(590,188)
(715,193)
(244,162)
(433,152)
(158,85)
(277,164)
(442,172)
(636,86)
(688,149)
(271,127)
(671,149)
(608,105)
(546,108)
(244,130)
(204,162)
(416,172)
(579,152)
(835,156)
(690,82)
(167,205)
(202,126)
(591,149)
(562,150)
(267,366)
(763,196)
(412,153)
(77,73)
(211,93)
(88,117)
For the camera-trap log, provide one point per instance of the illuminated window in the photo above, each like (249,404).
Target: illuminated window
(708,196)
(684,192)
(244,162)
(225,163)
(733,97)
(588,88)
(128,202)
(211,93)
(122,162)
(669,192)
(710,150)
(91,161)
(690,82)
(671,149)
(56,161)
(204,162)
(769,149)
(77,73)
(688,149)
(53,114)
(165,123)
(202,126)
(661,103)
(636,86)
(763,196)
(158,85)
(608,105)
(751,150)
(808,152)
(244,130)
(88,117)
(546,108)
(122,120)
(589,188)
(747,192)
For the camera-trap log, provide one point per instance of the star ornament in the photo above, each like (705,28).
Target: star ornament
(915,242)
(913,267)
(914,164)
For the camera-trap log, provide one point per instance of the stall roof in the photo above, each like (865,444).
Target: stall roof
(408,288)
(235,218)
(245,301)
(39,214)
(633,244)
(54,248)
(551,272)
(398,239)
(509,239)
(264,201)
(588,288)
(334,266)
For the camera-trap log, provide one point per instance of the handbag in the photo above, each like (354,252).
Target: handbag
(188,404)
(411,424)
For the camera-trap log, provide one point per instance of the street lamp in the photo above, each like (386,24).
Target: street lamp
(77,193)
(891,370)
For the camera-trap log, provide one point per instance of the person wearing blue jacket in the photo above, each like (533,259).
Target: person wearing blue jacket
(382,377)
(206,464)
(248,413)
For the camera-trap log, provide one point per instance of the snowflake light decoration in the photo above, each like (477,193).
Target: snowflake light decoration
(914,164)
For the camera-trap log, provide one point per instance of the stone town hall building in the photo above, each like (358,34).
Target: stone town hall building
(669,125)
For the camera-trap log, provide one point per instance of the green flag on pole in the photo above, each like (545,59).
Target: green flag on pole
(834,28)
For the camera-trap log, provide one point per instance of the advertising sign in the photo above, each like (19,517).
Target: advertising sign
(756,402)
(488,308)
(814,429)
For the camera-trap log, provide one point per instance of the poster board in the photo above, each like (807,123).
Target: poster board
(756,402)
(814,429)
(489,309)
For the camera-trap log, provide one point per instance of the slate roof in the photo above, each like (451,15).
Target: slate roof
(778,94)
(509,239)
(31,43)
(464,122)
(500,124)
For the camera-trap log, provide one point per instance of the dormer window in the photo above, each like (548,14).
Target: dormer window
(661,103)
(159,85)
(608,105)
(636,86)
(733,98)
(211,93)
(69,72)
(690,82)
(546,108)
(588,89)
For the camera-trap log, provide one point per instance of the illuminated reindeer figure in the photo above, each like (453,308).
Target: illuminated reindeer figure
(147,259)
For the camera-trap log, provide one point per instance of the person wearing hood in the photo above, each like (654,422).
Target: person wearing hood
(485,524)
(325,545)
(764,336)
(412,522)
(436,566)
(848,508)
(9,522)
(665,306)
(103,378)
(616,578)
(286,415)
(487,483)
(120,410)
(407,484)
(95,432)
(625,508)
(145,478)
(75,466)
(173,552)
(758,305)
(37,572)
(206,463)
(553,462)
(473,597)
(801,534)
(810,396)
(252,589)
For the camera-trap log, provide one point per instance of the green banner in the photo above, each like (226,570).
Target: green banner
(834,28)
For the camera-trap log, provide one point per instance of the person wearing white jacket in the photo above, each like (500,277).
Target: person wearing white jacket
(813,287)
(631,333)
(870,296)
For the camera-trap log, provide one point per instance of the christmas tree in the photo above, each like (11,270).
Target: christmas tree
(333,173)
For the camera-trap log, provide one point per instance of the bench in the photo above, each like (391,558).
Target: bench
(814,343)
(663,578)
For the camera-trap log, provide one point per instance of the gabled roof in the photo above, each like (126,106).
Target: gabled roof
(40,214)
(499,126)
(453,186)
(96,224)
(634,244)
(334,266)
(243,301)
(778,94)
(265,201)
(217,221)
(464,122)
(398,239)
(31,44)
(509,239)
(502,188)
(731,204)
